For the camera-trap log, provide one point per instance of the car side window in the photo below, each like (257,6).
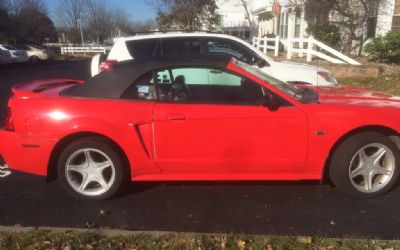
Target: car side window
(207,85)
(142,48)
(141,89)
(181,46)
(220,46)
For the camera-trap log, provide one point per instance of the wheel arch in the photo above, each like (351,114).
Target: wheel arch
(61,144)
(385,130)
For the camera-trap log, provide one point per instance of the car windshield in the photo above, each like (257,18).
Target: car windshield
(289,89)
(9,47)
(21,47)
(36,47)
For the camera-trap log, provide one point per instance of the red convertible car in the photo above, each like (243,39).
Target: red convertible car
(204,118)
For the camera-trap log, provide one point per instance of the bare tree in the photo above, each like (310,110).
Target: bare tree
(253,25)
(185,14)
(99,20)
(69,12)
(15,6)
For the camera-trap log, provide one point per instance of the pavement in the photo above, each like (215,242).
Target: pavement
(278,208)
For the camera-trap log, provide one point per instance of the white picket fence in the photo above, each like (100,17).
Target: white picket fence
(261,43)
(82,50)
(308,46)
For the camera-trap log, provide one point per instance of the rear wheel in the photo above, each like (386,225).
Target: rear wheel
(34,59)
(90,169)
(366,165)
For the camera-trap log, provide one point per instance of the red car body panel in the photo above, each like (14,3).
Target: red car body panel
(195,141)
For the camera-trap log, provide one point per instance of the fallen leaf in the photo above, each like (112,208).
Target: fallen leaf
(269,247)
(241,244)
(332,222)
(104,212)
(304,240)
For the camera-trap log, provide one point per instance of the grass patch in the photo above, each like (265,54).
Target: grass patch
(38,239)
(389,85)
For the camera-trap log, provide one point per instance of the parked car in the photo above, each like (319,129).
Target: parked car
(139,46)
(208,118)
(16,55)
(36,53)
(5,56)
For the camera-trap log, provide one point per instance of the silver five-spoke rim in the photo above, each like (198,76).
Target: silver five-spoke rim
(90,172)
(372,168)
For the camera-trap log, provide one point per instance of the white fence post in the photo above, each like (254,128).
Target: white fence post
(301,47)
(276,46)
(265,45)
(289,49)
(310,48)
(254,41)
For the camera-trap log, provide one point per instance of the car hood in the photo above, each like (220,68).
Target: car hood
(298,66)
(358,96)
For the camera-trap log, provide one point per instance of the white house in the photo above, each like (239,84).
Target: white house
(234,18)
(288,23)
(279,18)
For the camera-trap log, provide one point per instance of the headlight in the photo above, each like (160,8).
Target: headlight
(327,76)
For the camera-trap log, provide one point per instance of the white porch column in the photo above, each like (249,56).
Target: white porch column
(385,17)
(302,31)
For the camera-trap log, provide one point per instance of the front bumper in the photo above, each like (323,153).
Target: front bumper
(30,155)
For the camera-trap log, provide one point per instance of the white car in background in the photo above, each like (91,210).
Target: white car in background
(36,53)
(154,44)
(16,54)
(5,57)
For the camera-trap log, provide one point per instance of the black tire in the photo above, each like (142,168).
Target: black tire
(34,59)
(339,169)
(100,145)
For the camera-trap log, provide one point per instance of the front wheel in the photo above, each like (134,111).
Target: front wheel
(90,169)
(365,164)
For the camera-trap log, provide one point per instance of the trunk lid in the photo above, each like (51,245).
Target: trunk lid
(40,88)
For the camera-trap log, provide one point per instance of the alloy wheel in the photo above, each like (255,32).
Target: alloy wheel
(90,172)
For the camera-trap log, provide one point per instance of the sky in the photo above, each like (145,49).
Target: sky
(138,10)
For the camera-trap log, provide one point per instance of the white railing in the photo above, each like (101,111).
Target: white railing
(309,46)
(58,44)
(261,43)
(81,50)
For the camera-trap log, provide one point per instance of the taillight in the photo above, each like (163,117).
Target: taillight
(9,125)
(106,65)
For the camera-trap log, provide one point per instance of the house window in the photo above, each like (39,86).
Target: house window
(297,25)
(396,17)
(396,23)
(397,8)
(283,25)
(372,21)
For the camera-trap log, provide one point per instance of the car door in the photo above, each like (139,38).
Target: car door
(222,128)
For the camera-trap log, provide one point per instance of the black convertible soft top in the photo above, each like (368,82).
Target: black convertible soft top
(112,83)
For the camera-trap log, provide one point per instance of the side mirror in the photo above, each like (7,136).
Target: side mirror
(270,102)
(263,64)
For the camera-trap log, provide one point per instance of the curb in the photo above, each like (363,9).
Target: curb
(101,231)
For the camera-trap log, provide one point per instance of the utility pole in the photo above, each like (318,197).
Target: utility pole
(83,42)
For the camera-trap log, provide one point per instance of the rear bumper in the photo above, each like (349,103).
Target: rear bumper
(30,155)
